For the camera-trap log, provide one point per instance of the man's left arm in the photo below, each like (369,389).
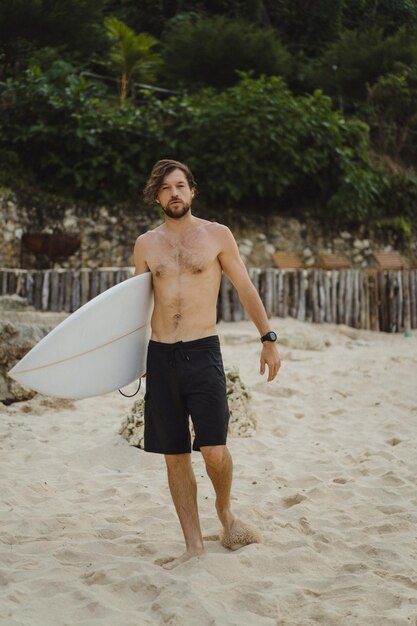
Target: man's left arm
(236,271)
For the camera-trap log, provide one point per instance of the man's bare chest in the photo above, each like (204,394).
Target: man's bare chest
(193,258)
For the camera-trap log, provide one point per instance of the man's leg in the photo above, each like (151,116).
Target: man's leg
(235,533)
(219,467)
(183,487)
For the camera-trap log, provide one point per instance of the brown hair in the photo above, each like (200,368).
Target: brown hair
(158,173)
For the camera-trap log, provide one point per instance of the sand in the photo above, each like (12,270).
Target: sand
(329,478)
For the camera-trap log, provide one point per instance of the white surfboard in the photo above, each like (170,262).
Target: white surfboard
(99,348)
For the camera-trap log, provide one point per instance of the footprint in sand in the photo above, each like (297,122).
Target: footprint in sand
(293,500)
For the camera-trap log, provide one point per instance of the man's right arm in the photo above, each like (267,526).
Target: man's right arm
(139,257)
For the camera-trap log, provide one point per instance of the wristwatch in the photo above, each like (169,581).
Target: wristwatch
(270,336)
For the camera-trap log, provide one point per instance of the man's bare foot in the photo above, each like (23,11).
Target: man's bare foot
(239,534)
(171,562)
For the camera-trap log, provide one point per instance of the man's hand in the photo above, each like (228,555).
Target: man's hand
(270,357)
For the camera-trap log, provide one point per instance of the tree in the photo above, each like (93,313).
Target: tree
(393,106)
(306,26)
(200,51)
(357,59)
(68,25)
(131,54)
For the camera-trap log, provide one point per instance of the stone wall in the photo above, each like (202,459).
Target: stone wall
(108,235)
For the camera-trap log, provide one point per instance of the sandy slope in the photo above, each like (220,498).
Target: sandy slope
(330,478)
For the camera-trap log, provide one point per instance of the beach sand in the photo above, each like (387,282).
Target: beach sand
(329,478)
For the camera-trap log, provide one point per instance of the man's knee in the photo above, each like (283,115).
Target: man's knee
(214,456)
(177,461)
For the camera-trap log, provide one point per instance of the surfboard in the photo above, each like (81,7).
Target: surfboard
(101,347)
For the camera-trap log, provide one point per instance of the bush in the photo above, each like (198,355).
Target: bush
(255,142)
(357,59)
(200,51)
(69,139)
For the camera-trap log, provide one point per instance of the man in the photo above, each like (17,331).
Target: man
(186,256)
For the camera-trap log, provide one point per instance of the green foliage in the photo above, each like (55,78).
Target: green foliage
(257,141)
(67,139)
(131,54)
(254,142)
(202,51)
(27,25)
(388,15)
(393,113)
(306,26)
(357,59)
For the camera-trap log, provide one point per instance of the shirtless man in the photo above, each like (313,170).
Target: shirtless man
(186,256)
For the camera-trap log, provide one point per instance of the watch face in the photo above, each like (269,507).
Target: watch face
(271,336)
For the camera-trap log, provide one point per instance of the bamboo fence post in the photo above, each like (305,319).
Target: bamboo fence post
(45,291)
(37,299)
(268,290)
(21,284)
(399,279)
(392,317)
(61,294)
(94,284)
(413,303)
(335,278)
(383,312)
(355,299)
(407,305)
(341,297)
(54,288)
(76,291)
(301,308)
(321,296)
(279,308)
(287,293)
(294,293)
(67,291)
(348,298)
(327,299)
(84,286)
(373,301)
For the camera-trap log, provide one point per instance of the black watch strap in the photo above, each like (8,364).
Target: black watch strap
(270,336)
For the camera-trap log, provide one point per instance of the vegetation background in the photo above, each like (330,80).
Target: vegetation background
(280,106)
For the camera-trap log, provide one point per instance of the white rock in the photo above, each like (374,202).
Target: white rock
(269,248)
(345,235)
(307,252)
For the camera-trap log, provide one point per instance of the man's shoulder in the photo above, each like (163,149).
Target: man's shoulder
(148,235)
(217,228)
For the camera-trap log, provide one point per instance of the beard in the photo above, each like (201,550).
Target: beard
(176,214)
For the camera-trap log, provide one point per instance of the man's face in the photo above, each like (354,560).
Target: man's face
(175,195)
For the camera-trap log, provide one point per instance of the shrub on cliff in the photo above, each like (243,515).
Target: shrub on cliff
(254,142)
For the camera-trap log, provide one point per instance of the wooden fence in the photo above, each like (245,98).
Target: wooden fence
(369,299)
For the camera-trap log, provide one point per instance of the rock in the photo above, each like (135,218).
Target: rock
(309,261)
(21,327)
(14,303)
(242,419)
(245,249)
(307,253)
(17,340)
(345,235)
(269,248)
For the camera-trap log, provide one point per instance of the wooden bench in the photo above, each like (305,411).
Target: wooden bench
(390,261)
(286,260)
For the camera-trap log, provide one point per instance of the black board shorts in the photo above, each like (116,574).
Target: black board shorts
(185,379)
